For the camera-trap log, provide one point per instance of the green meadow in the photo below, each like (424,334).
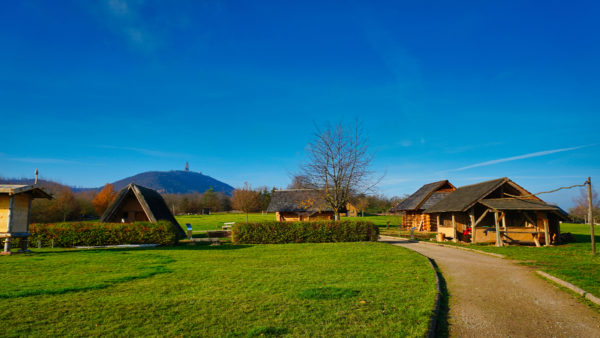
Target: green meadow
(216,220)
(332,289)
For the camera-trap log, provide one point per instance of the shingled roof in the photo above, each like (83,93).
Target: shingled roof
(298,200)
(423,198)
(151,201)
(464,197)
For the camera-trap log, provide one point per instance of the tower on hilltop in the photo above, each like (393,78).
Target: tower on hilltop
(187,166)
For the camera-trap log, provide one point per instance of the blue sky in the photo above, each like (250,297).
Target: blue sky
(93,91)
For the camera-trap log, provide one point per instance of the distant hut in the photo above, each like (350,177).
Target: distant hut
(299,205)
(413,206)
(135,203)
(497,211)
(15,213)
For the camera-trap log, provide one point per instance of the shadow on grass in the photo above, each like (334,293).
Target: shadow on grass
(179,247)
(442,328)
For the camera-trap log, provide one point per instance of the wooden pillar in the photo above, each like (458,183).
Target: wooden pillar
(504,220)
(437,219)
(11,206)
(498,238)
(473,225)
(590,216)
(546,233)
(454,235)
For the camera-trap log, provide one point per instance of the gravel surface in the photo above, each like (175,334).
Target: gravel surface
(491,296)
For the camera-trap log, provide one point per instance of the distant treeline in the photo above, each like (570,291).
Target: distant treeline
(88,204)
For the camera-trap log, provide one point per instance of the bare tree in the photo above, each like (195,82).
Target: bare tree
(301,182)
(339,163)
(245,199)
(580,209)
(362,202)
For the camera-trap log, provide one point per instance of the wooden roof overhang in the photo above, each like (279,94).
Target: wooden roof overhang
(516,204)
(14,189)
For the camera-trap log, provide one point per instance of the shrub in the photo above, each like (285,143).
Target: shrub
(72,234)
(304,232)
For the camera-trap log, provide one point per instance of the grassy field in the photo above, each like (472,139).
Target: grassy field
(572,262)
(335,289)
(216,220)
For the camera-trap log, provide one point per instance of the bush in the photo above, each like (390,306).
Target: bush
(304,232)
(72,234)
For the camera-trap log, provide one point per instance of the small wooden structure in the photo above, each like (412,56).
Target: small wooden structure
(497,211)
(299,205)
(15,213)
(413,206)
(351,211)
(135,203)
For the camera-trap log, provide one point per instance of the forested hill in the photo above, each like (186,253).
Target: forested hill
(175,182)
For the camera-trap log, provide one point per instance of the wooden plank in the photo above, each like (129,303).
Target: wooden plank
(454,239)
(498,238)
(482,217)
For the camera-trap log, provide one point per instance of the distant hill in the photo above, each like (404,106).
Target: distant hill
(175,182)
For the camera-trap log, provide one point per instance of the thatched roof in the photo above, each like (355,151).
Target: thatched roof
(15,189)
(152,203)
(298,200)
(464,197)
(423,198)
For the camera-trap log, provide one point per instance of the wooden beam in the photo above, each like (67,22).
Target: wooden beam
(438,220)
(454,229)
(536,240)
(498,238)
(481,217)
(546,233)
(503,220)
(529,219)
(473,225)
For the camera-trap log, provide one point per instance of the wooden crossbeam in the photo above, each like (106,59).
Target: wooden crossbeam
(481,217)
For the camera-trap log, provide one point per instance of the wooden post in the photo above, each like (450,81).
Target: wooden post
(7,240)
(504,220)
(437,219)
(473,225)
(546,233)
(498,238)
(590,216)
(454,239)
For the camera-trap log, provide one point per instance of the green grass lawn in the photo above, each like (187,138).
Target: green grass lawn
(216,220)
(572,262)
(333,289)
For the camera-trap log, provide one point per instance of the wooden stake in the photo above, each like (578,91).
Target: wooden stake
(590,216)
(454,230)
(498,238)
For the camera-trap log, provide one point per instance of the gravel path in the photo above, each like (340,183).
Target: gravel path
(491,296)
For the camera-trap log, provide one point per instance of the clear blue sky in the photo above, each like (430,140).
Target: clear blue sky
(93,91)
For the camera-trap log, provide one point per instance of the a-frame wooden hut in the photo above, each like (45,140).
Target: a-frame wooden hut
(413,206)
(135,203)
(497,211)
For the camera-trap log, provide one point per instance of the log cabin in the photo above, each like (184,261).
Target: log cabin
(497,211)
(413,206)
(299,205)
(15,213)
(135,203)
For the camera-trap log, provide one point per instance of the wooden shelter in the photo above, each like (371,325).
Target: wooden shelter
(413,206)
(15,213)
(299,205)
(497,211)
(135,203)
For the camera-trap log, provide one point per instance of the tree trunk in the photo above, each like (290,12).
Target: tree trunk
(336,216)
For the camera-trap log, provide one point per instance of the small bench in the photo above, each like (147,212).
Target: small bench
(227,225)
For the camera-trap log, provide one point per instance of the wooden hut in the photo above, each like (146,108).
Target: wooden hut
(413,206)
(299,205)
(135,203)
(15,213)
(496,211)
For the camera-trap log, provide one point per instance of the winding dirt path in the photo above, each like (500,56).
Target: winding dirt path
(490,296)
